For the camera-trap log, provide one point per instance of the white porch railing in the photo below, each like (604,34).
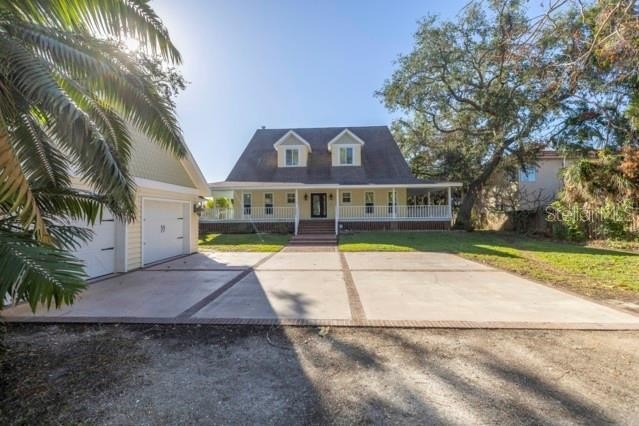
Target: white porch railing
(216,214)
(428,212)
(345,213)
(249,214)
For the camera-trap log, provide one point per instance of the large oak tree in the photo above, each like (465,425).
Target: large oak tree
(478,89)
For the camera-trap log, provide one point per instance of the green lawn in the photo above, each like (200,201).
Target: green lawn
(591,271)
(243,242)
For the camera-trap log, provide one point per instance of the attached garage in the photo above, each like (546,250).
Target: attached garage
(165,223)
(165,229)
(98,255)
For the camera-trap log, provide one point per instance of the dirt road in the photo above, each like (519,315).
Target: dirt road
(203,375)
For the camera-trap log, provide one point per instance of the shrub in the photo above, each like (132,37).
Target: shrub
(223,202)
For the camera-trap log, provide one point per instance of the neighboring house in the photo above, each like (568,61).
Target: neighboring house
(352,178)
(166,225)
(539,185)
(533,187)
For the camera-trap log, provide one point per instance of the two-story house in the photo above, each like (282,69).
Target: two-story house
(338,178)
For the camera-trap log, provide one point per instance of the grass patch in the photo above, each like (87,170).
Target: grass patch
(243,242)
(588,270)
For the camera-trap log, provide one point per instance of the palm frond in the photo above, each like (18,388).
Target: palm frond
(38,273)
(98,163)
(69,237)
(40,159)
(115,18)
(102,68)
(15,189)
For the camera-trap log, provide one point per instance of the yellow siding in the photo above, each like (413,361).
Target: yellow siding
(134,229)
(357,199)
(150,161)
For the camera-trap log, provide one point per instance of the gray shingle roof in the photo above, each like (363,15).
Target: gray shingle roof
(382,161)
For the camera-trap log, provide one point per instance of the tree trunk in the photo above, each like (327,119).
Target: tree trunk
(464,219)
(464,215)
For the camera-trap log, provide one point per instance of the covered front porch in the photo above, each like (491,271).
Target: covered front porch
(347,207)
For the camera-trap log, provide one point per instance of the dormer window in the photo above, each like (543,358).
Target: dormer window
(292,150)
(346,149)
(292,157)
(346,155)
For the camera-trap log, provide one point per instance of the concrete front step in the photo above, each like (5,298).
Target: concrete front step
(313,243)
(323,239)
(315,232)
(324,235)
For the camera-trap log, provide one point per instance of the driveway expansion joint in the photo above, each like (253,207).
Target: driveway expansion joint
(354,301)
(188,313)
(292,322)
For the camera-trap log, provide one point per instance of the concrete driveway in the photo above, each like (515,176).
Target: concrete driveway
(331,288)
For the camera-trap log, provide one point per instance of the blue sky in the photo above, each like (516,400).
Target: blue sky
(283,64)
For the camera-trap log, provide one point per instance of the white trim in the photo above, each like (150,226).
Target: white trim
(339,156)
(296,136)
(341,134)
(198,180)
(369,192)
(163,186)
(297,211)
(450,204)
(185,250)
(126,247)
(337,211)
(250,193)
(293,148)
(333,186)
(272,198)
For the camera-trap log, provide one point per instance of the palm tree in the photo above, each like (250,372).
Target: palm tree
(69,95)
(595,182)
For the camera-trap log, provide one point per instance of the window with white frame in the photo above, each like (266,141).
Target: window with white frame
(346,155)
(347,197)
(529,174)
(391,201)
(292,157)
(268,202)
(247,201)
(290,198)
(369,200)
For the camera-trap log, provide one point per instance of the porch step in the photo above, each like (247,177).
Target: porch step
(316,227)
(313,240)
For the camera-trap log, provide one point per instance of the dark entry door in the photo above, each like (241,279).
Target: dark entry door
(318,205)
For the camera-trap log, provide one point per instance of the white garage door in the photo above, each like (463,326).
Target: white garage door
(99,254)
(163,230)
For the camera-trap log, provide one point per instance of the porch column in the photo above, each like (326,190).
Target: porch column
(336,211)
(241,204)
(297,211)
(394,204)
(450,204)
(428,198)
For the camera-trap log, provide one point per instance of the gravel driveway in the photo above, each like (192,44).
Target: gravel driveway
(155,375)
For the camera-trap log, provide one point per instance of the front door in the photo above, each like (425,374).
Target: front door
(318,205)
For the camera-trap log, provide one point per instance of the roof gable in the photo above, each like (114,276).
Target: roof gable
(151,161)
(291,134)
(345,135)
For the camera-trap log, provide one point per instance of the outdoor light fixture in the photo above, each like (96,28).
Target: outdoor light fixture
(305,196)
(330,197)
(198,208)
